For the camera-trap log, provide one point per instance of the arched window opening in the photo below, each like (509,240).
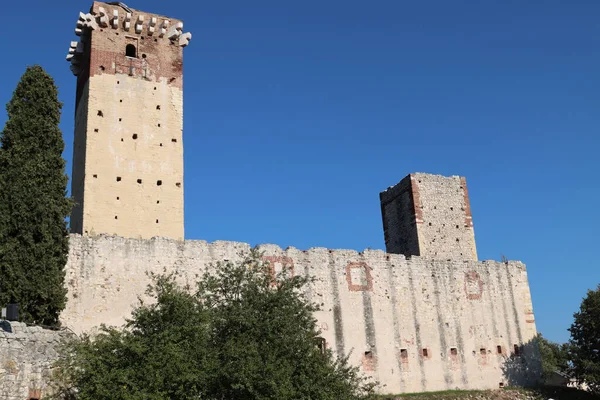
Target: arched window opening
(130,51)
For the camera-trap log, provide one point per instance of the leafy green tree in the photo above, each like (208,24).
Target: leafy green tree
(585,340)
(240,334)
(33,206)
(555,356)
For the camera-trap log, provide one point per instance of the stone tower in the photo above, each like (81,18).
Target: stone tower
(429,216)
(128,151)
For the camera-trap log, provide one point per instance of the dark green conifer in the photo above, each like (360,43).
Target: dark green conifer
(33,205)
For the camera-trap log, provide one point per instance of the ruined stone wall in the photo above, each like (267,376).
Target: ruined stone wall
(26,357)
(128,153)
(413,324)
(429,216)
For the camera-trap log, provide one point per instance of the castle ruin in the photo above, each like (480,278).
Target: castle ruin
(425,315)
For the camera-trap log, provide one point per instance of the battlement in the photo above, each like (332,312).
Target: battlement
(118,19)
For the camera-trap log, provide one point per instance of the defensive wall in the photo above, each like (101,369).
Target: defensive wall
(414,324)
(26,357)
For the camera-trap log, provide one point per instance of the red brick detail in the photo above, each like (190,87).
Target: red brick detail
(473,279)
(35,394)
(286,262)
(468,216)
(157,58)
(369,362)
(416,197)
(367,270)
(530,321)
(425,353)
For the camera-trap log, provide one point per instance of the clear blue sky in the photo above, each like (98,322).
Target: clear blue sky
(297,114)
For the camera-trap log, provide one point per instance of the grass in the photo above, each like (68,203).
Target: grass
(544,392)
(453,393)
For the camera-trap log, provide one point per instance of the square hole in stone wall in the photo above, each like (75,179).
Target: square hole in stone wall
(158,182)
(174,140)
(482,352)
(517,350)
(403,353)
(134,136)
(453,351)
(499,349)
(139,181)
(118,179)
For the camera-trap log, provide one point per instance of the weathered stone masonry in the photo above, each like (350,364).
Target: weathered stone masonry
(414,324)
(424,316)
(429,216)
(26,357)
(128,150)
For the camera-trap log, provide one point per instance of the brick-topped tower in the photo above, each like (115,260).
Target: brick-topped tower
(429,216)
(128,151)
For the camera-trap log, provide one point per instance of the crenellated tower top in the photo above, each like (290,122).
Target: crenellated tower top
(119,18)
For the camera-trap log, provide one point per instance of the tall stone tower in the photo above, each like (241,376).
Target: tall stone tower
(429,216)
(128,151)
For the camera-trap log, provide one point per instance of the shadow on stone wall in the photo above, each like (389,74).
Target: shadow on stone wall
(524,366)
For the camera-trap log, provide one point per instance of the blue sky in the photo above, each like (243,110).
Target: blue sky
(297,114)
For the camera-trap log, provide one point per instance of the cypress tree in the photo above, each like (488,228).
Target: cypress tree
(33,205)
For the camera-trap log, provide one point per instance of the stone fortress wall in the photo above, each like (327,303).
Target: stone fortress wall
(423,316)
(413,323)
(26,357)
